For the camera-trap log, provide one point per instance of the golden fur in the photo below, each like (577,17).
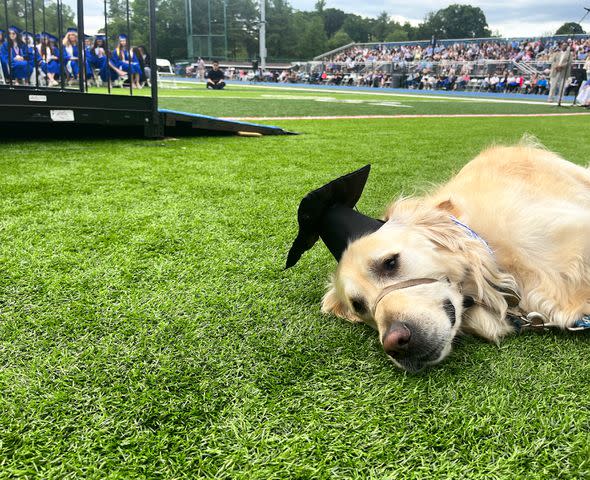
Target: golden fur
(531,207)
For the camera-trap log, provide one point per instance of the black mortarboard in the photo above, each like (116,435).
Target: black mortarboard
(328,213)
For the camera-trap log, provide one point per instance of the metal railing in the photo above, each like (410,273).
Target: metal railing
(448,41)
(36,53)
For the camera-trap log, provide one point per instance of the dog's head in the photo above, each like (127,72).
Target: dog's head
(414,280)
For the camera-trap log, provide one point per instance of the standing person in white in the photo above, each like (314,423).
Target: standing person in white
(559,71)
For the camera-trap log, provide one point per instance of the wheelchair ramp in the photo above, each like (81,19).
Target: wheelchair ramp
(183,124)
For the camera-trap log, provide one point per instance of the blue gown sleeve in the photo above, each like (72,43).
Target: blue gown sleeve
(4,53)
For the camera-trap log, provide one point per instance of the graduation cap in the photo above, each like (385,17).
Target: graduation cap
(328,213)
(14,29)
(72,30)
(27,34)
(100,37)
(122,36)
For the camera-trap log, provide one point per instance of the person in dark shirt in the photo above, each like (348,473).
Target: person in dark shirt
(215,77)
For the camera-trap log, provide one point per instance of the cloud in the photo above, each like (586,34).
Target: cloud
(510,17)
(518,18)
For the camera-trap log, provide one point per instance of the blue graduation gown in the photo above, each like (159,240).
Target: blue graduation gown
(101,63)
(72,66)
(123,63)
(51,66)
(20,68)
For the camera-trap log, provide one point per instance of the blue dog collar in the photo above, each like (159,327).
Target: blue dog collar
(472,234)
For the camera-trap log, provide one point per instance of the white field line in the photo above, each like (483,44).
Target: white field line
(405,95)
(367,117)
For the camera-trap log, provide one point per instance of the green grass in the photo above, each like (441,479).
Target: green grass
(252,101)
(240,101)
(148,329)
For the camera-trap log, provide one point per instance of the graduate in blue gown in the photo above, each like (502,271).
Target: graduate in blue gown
(14,55)
(2,64)
(87,53)
(70,54)
(48,58)
(126,61)
(29,41)
(54,43)
(98,58)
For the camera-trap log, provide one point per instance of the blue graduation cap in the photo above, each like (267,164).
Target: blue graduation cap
(1,32)
(52,38)
(37,36)
(14,29)
(27,34)
(72,30)
(100,37)
(122,36)
(87,37)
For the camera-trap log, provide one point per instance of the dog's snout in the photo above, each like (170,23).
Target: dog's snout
(396,340)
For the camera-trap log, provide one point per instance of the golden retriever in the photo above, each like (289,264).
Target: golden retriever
(426,276)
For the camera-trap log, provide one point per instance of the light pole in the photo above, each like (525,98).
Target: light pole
(225,27)
(190,47)
(209,49)
(262,35)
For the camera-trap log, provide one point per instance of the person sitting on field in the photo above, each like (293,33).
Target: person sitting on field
(215,77)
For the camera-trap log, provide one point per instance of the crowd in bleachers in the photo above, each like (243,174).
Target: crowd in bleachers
(44,59)
(489,66)
(504,82)
(464,51)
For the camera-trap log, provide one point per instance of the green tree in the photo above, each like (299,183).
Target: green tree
(16,16)
(242,26)
(398,35)
(320,5)
(311,37)
(456,21)
(570,28)
(333,20)
(339,39)
(357,27)
(380,27)
(281,36)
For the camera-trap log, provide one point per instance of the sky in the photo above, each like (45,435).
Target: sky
(512,18)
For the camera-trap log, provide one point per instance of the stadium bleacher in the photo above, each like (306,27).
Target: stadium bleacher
(516,65)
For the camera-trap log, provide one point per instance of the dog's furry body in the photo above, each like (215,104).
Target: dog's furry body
(531,207)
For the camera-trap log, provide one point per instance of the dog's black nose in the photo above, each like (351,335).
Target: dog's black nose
(396,340)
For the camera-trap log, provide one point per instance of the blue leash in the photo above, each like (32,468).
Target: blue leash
(536,321)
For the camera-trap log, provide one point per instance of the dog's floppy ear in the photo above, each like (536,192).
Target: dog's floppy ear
(449,207)
(331,304)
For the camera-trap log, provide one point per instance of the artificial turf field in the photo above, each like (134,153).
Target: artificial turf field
(148,329)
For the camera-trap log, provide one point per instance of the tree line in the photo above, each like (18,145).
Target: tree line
(233,24)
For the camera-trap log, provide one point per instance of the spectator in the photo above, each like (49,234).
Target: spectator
(215,77)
